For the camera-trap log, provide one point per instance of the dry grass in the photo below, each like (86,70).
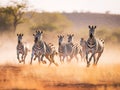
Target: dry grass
(65,76)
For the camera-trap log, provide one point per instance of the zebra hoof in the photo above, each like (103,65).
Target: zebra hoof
(88,64)
(20,61)
(44,62)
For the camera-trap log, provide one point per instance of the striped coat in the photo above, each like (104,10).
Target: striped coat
(21,49)
(40,48)
(93,46)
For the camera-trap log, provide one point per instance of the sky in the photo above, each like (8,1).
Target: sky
(96,6)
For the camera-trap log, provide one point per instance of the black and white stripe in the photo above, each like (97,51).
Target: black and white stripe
(37,49)
(21,49)
(41,49)
(75,48)
(94,46)
(66,50)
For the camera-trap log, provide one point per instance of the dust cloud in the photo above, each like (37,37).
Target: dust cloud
(72,76)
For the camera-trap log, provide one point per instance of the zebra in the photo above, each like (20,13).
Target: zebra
(83,48)
(76,49)
(36,49)
(64,49)
(50,49)
(94,46)
(50,53)
(21,49)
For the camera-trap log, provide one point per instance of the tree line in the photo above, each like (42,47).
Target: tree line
(12,16)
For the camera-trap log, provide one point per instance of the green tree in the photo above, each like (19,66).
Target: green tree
(5,20)
(15,13)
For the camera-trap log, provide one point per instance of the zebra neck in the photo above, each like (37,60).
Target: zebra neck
(59,43)
(91,41)
(19,42)
(70,43)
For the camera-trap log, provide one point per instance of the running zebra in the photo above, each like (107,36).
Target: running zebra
(83,48)
(64,49)
(21,49)
(94,46)
(50,49)
(75,48)
(36,49)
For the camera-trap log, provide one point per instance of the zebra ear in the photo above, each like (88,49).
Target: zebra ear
(22,34)
(33,34)
(89,27)
(94,27)
(72,35)
(36,31)
(41,31)
(17,34)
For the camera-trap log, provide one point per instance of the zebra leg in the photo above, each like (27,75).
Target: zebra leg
(39,59)
(63,59)
(87,60)
(53,61)
(18,58)
(35,57)
(31,57)
(76,58)
(94,60)
(68,60)
(71,57)
(91,58)
(47,56)
(84,58)
(60,58)
(81,55)
(22,57)
(43,61)
(99,54)
(25,54)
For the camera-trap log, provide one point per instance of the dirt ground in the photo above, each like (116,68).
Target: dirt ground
(66,76)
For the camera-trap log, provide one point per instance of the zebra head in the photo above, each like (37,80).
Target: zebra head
(91,31)
(60,39)
(70,37)
(82,42)
(37,36)
(19,37)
